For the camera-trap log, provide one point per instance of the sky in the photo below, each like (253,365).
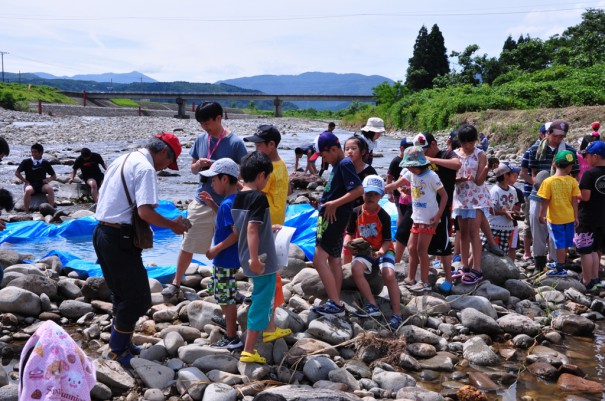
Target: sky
(201,41)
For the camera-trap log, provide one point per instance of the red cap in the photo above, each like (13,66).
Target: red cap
(172,141)
(596,125)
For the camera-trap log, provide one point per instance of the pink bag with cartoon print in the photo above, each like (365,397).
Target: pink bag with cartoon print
(54,367)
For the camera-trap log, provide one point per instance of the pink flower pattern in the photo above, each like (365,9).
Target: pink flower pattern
(467,194)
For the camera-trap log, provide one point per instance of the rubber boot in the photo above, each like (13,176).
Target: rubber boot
(119,344)
(540,262)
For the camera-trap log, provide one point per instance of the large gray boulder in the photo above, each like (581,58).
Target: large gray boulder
(498,269)
(460,302)
(308,283)
(19,301)
(200,313)
(318,368)
(308,393)
(476,351)
(478,322)
(514,324)
(574,325)
(37,284)
(331,329)
(152,374)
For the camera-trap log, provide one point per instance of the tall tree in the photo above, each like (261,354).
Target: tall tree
(509,44)
(417,77)
(428,60)
(437,53)
(587,39)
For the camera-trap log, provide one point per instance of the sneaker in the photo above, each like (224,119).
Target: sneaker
(228,343)
(472,277)
(445,287)
(557,273)
(368,310)
(421,287)
(407,282)
(551,265)
(395,321)
(457,258)
(591,284)
(269,336)
(171,291)
(248,357)
(495,249)
(219,321)
(329,308)
(437,264)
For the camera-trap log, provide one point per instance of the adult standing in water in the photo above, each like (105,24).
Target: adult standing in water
(113,238)
(215,143)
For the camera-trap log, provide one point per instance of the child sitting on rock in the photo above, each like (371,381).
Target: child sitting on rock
(372,223)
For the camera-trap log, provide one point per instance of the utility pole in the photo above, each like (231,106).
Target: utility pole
(2,55)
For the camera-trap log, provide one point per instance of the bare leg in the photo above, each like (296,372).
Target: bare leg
(475,239)
(424,241)
(50,193)
(388,275)
(561,254)
(320,260)
(251,338)
(358,269)
(182,263)
(27,196)
(94,190)
(230,312)
(336,269)
(465,240)
(447,267)
(399,250)
(414,258)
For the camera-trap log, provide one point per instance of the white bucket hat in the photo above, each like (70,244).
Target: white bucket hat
(374,124)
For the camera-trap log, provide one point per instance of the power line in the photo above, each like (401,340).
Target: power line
(297,18)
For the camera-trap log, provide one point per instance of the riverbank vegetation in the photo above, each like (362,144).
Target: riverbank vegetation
(565,70)
(15,96)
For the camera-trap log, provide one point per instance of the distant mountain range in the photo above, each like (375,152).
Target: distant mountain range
(312,83)
(307,83)
(125,78)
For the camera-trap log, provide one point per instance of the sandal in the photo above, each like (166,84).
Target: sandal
(269,336)
(408,282)
(248,357)
(459,273)
(472,277)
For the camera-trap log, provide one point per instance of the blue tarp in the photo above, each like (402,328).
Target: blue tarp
(303,217)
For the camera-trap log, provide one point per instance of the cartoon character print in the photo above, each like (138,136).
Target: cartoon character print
(322,226)
(418,189)
(368,230)
(57,369)
(74,380)
(469,195)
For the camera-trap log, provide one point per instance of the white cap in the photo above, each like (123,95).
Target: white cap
(222,166)
(373,183)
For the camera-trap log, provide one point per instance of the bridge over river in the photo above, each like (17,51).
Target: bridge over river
(182,97)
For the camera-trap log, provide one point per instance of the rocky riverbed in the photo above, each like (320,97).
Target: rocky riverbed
(516,335)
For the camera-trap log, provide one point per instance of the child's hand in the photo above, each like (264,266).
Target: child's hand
(276,227)
(542,220)
(576,222)
(207,198)
(329,211)
(509,215)
(257,266)
(434,222)
(212,252)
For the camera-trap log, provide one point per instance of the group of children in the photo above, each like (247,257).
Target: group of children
(349,210)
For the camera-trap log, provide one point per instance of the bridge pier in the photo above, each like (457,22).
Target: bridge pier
(182,113)
(278,103)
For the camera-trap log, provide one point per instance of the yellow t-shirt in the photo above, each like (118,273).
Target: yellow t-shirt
(277,192)
(560,192)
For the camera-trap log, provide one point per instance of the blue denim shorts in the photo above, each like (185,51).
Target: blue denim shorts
(467,213)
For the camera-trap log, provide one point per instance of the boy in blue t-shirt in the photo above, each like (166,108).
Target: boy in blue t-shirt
(342,188)
(223,253)
(256,247)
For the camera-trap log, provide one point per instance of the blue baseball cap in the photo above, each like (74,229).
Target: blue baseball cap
(405,142)
(326,141)
(596,148)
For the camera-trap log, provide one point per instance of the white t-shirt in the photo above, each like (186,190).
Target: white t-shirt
(141,180)
(502,200)
(424,195)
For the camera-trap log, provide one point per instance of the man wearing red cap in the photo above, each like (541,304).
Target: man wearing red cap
(119,258)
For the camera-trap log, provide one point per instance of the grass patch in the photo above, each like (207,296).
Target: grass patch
(124,102)
(13,96)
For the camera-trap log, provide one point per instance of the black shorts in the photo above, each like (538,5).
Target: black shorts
(97,178)
(405,226)
(37,186)
(589,239)
(440,244)
(330,236)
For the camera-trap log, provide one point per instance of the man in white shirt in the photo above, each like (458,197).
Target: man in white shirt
(119,258)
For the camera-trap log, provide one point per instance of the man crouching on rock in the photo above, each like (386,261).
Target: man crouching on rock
(120,260)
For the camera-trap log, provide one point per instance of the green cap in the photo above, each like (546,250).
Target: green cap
(564,158)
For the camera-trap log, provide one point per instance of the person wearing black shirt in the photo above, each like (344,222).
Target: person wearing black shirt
(89,163)
(36,181)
